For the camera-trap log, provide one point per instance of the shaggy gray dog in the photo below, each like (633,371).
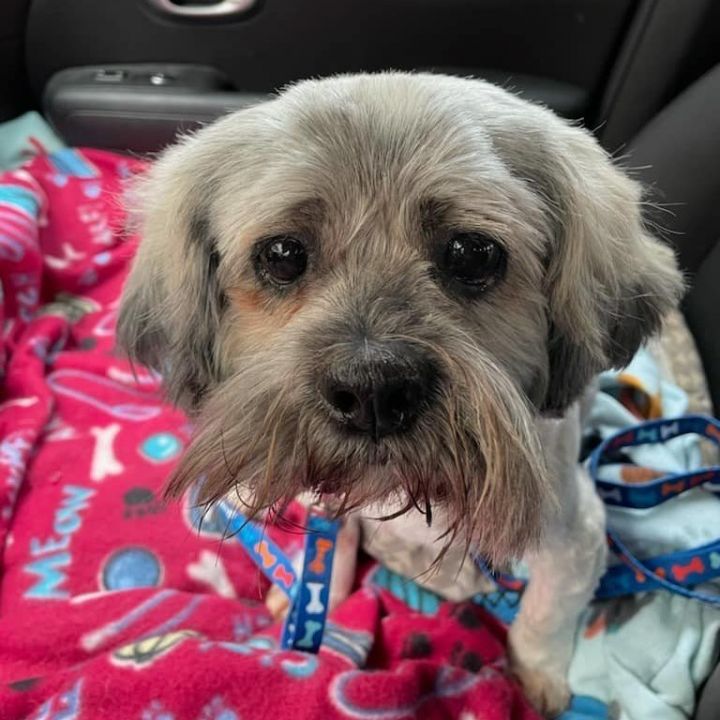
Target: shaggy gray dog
(391,290)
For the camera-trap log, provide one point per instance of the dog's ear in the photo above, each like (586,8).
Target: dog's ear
(172,301)
(609,282)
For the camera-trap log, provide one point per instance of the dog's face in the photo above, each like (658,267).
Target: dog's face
(371,286)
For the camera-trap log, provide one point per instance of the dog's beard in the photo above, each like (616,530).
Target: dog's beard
(475,452)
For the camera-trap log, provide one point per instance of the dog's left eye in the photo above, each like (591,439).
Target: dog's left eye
(474,259)
(282,259)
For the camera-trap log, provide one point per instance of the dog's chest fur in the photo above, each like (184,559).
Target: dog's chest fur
(408,546)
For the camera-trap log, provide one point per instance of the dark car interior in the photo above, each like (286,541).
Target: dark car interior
(644,75)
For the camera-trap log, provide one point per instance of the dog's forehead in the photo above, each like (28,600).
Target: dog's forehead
(360,153)
(390,138)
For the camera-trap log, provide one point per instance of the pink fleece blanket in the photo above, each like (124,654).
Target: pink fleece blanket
(116,604)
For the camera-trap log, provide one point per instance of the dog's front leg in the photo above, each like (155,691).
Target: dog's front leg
(345,561)
(564,572)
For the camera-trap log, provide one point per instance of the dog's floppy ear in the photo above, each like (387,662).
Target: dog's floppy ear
(172,301)
(609,283)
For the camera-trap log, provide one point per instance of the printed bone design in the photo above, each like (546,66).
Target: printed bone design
(610,494)
(622,440)
(268,559)
(712,432)
(702,478)
(104,461)
(315,606)
(680,572)
(282,577)
(322,548)
(311,627)
(316,589)
(646,435)
(672,488)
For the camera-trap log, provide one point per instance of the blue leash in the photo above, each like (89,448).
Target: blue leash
(308,594)
(676,572)
(655,492)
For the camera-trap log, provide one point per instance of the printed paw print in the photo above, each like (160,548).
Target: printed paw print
(417,645)
(156,711)
(465,659)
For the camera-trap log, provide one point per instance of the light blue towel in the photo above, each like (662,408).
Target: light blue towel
(15,146)
(644,656)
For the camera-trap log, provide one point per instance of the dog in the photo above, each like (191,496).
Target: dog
(393,291)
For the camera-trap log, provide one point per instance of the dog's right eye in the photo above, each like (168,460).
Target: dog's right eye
(282,259)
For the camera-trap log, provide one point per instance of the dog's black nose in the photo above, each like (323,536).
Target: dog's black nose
(376,408)
(382,391)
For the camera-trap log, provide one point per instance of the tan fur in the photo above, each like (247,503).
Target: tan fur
(258,318)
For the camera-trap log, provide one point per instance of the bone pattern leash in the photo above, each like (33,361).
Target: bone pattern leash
(676,572)
(308,594)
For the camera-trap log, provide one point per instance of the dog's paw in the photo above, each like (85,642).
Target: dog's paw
(277,603)
(548,693)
